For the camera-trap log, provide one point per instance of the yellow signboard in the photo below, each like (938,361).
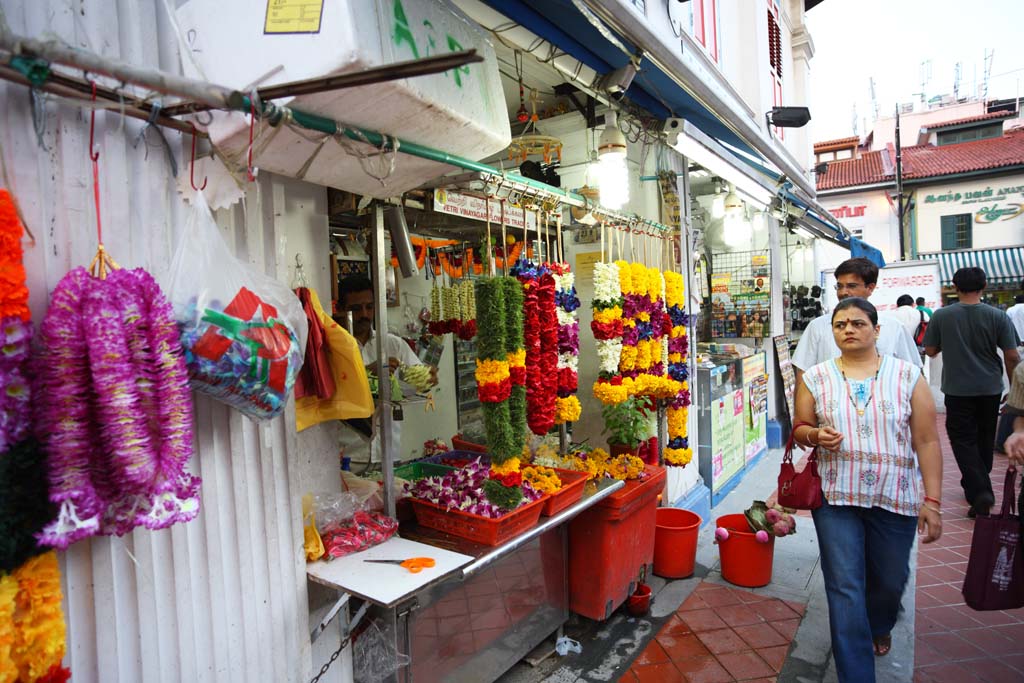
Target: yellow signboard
(293,16)
(585,266)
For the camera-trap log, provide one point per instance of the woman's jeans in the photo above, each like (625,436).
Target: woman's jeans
(865,555)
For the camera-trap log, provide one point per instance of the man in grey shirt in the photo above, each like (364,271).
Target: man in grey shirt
(969,335)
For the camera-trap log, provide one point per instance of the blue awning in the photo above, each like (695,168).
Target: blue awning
(560,23)
(859,248)
(1002,266)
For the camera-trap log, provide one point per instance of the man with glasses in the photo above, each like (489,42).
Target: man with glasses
(357,298)
(854,277)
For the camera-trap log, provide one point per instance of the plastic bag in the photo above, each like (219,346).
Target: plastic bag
(244,333)
(364,530)
(333,509)
(351,397)
(374,656)
(312,545)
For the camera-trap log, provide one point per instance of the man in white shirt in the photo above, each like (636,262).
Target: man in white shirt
(909,315)
(854,277)
(1016,314)
(357,299)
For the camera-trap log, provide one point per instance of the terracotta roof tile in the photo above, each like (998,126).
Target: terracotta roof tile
(971,119)
(927,161)
(840,142)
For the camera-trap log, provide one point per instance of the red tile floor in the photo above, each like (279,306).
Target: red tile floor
(952,642)
(720,634)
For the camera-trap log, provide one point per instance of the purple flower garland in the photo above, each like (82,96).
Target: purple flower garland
(115,409)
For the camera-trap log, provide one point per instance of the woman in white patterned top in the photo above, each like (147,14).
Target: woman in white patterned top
(872,418)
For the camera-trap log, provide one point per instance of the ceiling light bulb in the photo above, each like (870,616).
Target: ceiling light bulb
(736,230)
(612,142)
(718,206)
(733,203)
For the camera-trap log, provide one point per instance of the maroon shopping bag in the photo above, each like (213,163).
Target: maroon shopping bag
(799,490)
(995,569)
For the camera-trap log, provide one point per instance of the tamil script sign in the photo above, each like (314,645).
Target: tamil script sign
(478,208)
(976,196)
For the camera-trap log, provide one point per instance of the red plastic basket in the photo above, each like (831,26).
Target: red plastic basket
(460,444)
(475,528)
(571,491)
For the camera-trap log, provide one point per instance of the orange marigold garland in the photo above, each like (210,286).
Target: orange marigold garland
(32,633)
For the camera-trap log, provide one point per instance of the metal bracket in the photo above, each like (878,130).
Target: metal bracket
(333,612)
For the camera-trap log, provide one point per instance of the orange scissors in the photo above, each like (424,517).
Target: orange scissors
(414,564)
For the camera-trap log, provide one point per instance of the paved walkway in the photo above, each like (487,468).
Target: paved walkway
(952,642)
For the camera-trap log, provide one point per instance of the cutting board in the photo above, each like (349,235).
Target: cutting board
(386,584)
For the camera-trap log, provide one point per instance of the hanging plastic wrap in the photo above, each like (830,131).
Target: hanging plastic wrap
(374,656)
(244,333)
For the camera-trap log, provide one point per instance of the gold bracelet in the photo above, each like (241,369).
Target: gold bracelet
(933,509)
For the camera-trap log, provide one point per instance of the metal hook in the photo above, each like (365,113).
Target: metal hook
(252,126)
(92,127)
(192,167)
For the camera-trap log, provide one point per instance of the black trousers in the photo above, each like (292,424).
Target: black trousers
(971,426)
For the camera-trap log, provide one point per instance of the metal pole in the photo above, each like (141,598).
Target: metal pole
(161,81)
(899,186)
(380,317)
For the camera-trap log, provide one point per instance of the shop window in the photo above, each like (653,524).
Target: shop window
(956,232)
(844,154)
(969,134)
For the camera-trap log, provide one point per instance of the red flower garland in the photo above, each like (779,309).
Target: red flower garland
(541,336)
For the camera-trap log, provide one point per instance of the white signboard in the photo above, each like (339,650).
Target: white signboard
(916,278)
(476,208)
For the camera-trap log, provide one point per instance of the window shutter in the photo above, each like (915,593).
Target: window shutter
(948,232)
(774,45)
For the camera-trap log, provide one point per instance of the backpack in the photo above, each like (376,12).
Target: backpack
(922,327)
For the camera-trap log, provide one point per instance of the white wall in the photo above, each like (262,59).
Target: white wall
(1003,231)
(871,212)
(223,598)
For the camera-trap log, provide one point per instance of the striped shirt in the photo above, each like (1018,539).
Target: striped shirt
(875,465)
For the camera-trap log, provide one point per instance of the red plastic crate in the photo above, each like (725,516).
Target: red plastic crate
(571,491)
(611,543)
(460,444)
(479,529)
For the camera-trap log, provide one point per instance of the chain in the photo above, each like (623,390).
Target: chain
(334,657)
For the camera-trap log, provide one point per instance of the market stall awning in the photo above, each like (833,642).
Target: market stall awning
(562,24)
(1001,266)
(860,248)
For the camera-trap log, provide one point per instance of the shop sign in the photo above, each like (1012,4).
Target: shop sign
(991,214)
(849,211)
(478,208)
(975,196)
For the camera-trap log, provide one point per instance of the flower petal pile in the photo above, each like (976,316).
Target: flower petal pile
(115,410)
(463,489)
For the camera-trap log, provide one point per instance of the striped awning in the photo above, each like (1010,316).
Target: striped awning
(1004,265)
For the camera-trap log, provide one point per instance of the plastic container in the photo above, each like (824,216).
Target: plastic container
(640,601)
(241,44)
(745,561)
(475,528)
(611,545)
(461,444)
(774,434)
(571,492)
(463,457)
(675,542)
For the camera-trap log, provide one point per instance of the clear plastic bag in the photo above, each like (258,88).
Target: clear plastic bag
(374,655)
(333,509)
(244,333)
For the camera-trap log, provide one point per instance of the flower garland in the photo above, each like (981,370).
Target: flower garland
(677,450)
(543,479)
(494,383)
(540,337)
(515,354)
(567,405)
(115,411)
(32,622)
(607,327)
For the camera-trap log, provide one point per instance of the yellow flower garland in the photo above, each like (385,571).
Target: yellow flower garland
(491,371)
(638,278)
(628,359)
(674,289)
(678,456)
(607,315)
(625,278)
(31,620)
(510,465)
(567,409)
(516,359)
(544,479)
(609,394)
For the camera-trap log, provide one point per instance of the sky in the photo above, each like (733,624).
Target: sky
(856,40)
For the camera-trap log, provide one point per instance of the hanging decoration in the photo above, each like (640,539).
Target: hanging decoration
(115,409)
(32,633)
(540,335)
(515,354)
(567,407)
(607,327)
(677,450)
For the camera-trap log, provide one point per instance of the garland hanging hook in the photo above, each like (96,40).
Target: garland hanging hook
(192,166)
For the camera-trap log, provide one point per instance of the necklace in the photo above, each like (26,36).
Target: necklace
(849,393)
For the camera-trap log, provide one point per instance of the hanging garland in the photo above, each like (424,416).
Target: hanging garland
(32,636)
(115,411)
(567,405)
(607,327)
(516,357)
(540,336)
(677,450)
(467,310)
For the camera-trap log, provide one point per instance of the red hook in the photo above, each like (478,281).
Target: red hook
(252,125)
(192,168)
(92,127)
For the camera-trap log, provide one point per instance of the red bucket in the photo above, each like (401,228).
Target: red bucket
(745,561)
(675,542)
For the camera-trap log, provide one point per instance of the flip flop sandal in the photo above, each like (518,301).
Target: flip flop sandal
(882,645)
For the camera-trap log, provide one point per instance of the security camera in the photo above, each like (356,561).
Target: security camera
(616,83)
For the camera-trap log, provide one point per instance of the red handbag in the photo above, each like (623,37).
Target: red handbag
(799,490)
(995,567)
